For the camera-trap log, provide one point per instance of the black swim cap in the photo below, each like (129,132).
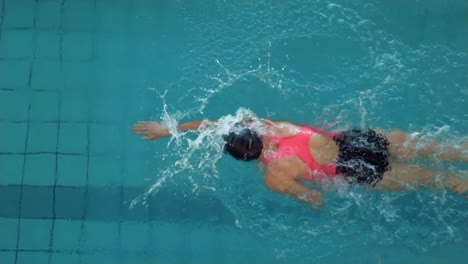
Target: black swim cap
(245,145)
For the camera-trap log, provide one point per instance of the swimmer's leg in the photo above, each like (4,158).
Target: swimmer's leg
(411,177)
(406,146)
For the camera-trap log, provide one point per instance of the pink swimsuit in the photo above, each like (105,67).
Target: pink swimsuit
(298,145)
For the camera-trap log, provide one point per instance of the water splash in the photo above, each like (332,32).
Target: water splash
(198,156)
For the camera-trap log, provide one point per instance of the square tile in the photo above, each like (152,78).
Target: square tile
(33,257)
(136,173)
(112,77)
(16,44)
(40,170)
(72,170)
(44,106)
(107,108)
(99,209)
(43,137)
(78,76)
(11,169)
(20,14)
(35,234)
(48,45)
(9,200)
(101,235)
(67,234)
(77,46)
(78,15)
(70,203)
(37,202)
(105,139)
(9,231)
(8,257)
(13,137)
(105,171)
(73,138)
(75,106)
(61,258)
(48,14)
(135,235)
(45,75)
(15,74)
(14,105)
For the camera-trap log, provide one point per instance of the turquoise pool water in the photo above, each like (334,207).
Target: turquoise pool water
(77,187)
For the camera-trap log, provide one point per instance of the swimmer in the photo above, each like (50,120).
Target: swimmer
(292,152)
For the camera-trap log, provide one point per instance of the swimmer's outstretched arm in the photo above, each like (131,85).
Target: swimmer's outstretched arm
(151,130)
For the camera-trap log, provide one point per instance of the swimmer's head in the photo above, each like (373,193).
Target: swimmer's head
(245,145)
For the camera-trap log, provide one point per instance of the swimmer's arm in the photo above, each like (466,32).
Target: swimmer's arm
(153,130)
(192,125)
(277,180)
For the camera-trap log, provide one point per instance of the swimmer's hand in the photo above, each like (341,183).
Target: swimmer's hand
(150,130)
(313,198)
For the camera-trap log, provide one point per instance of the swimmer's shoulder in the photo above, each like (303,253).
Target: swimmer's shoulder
(281,128)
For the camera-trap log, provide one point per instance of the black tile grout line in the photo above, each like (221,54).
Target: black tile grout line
(68,60)
(86,199)
(25,59)
(79,252)
(19,28)
(61,121)
(96,251)
(66,219)
(152,221)
(26,89)
(42,153)
(52,29)
(54,192)
(118,243)
(90,252)
(31,62)
(105,220)
(81,240)
(43,250)
(42,186)
(92,155)
(21,188)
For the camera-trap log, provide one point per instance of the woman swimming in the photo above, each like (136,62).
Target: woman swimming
(293,152)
